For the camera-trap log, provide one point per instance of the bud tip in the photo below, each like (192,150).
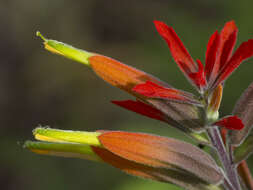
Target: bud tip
(41,36)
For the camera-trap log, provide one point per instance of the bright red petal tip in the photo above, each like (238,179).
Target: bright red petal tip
(199,77)
(228,40)
(211,54)
(141,108)
(177,49)
(219,51)
(245,51)
(231,122)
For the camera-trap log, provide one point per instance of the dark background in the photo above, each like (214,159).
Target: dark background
(37,87)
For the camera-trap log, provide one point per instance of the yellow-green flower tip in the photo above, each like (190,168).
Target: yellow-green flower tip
(67,136)
(66,50)
(62,149)
(41,36)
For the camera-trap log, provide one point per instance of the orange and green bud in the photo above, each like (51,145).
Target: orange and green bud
(119,74)
(112,71)
(149,156)
(75,144)
(214,104)
(177,114)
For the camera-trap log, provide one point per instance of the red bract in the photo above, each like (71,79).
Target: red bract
(220,62)
(152,90)
(160,158)
(230,122)
(141,108)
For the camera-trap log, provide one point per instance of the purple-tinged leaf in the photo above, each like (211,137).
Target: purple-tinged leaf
(161,153)
(168,175)
(230,122)
(244,110)
(243,151)
(187,117)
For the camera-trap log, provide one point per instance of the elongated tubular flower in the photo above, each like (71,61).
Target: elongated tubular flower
(220,62)
(181,110)
(149,156)
(154,157)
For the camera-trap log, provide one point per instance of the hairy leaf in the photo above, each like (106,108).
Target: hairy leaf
(243,151)
(244,110)
(169,175)
(185,116)
(161,152)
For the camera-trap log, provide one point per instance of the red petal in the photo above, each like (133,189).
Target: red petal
(177,49)
(231,122)
(141,108)
(211,53)
(199,77)
(153,90)
(228,39)
(245,51)
(225,46)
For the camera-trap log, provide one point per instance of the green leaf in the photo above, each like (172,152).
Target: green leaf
(243,151)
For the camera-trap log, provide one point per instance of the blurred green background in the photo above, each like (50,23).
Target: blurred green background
(37,87)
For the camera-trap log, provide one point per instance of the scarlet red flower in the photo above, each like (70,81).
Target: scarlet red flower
(220,62)
(160,158)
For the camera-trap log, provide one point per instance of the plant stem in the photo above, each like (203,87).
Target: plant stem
(242,168)
(217,142)
(245,174)
(228,184)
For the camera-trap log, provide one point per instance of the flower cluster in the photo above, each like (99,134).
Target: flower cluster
(160,158)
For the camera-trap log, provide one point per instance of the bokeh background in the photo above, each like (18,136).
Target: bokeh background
(37,87)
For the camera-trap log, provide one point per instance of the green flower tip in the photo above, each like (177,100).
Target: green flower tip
(66,136)
(71,150)
(41,36)
(66,50)
(28,144)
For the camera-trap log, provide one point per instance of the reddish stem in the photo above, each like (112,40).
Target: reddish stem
(245,174)
(242,168)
